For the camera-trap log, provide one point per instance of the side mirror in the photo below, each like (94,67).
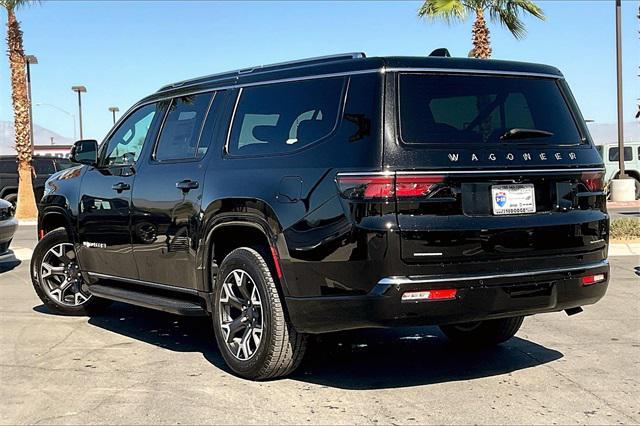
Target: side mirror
(85,152)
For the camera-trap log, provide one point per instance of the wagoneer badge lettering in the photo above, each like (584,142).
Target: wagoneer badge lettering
(454,157)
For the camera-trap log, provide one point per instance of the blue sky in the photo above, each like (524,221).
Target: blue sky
(124,50)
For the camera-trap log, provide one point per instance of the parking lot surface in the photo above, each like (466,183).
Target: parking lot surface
(137,366)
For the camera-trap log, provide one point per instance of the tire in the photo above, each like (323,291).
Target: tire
(12,198)
(253,308)
(483,333)
(56,251)
(637,189)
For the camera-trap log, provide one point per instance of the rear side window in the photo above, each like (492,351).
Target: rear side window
(614,154)
(284,117)
(465,109)
(182,127)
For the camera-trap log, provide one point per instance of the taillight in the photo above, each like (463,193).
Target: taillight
(594,181)
(592,279)
(408,186)
(366,187)
(385,187)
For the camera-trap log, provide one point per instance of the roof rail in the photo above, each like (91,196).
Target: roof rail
(277,66)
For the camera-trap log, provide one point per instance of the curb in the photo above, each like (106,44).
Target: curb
(624,249)
(27,222)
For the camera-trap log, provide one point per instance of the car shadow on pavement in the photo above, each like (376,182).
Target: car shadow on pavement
(412,356)
(356,360)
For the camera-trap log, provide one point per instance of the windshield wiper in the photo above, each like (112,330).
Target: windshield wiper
(525,134)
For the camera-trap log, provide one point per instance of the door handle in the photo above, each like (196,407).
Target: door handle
(187,185)
(121,186)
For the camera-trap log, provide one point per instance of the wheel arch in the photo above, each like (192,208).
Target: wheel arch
(251,222)
(54,218)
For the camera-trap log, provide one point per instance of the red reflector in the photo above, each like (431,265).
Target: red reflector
(276,261)
(415,186)
(594,181)
(592,279)
(445,294)
(40,234)
(366,187)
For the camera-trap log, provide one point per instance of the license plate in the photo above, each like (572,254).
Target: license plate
(513,199)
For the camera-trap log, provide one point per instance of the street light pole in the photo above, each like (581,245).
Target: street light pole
(30,59)
(79,90)
(113,111)
(620,110)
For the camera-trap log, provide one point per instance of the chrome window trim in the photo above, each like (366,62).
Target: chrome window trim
(406,280)
(474,71)
(143,283)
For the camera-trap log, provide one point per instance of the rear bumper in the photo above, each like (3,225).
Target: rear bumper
(479,297)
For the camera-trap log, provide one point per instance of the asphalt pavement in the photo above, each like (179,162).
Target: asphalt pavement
(136,366)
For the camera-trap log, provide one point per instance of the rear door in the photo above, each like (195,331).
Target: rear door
(491,168)
(168,192)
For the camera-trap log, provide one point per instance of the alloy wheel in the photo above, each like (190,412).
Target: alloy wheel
(61,277)
(240,314)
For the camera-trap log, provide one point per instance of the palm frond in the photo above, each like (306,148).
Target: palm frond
(449,10)
(508,13)
(16,4)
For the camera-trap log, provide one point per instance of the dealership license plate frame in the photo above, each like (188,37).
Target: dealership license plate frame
(513,199)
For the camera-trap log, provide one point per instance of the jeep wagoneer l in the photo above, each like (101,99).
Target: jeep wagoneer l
(335,193)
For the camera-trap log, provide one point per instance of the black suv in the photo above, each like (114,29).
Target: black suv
(335,193)
(43,168)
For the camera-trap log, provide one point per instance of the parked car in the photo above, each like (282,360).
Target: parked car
(335,193)
(43,168)
(8,225)
(610,154)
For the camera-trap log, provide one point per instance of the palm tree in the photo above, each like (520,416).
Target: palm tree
(26,203)
(506,12)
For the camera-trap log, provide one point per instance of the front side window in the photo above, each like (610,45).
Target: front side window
(125,145)
(478,109)
(182,127)
(284,117)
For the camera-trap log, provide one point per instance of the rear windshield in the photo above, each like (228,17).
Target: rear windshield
(445,109)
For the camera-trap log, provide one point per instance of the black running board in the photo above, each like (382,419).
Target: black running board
(146,300)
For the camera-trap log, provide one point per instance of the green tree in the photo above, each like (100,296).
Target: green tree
(506,12)
(26,203)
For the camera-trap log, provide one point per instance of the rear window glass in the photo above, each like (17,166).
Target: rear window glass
(285,117)
(614,154)
(445,109)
